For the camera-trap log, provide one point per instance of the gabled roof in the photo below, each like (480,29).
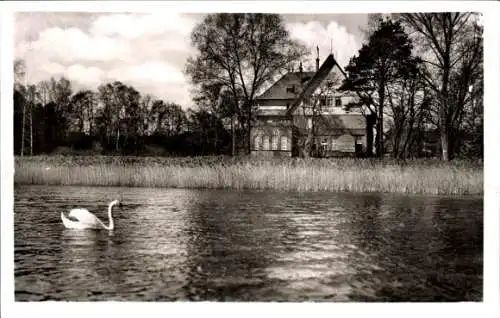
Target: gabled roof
(349,123)
(279,89)
(311,86)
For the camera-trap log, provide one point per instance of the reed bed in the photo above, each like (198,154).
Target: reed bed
(431,177)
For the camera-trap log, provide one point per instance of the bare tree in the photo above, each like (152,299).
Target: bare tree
(409,110)
(441,37)
(83,105)
(314,109)
(242,52)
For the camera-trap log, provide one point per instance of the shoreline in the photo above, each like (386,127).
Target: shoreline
(418,177)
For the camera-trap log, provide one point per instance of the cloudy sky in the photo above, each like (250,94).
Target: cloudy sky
(148,51)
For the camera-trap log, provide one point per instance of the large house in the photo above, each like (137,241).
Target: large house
(288,116)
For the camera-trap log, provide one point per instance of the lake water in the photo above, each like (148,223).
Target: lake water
(176,244)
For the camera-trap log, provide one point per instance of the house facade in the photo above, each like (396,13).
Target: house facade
(293,113)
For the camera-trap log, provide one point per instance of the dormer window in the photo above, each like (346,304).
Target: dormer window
(291,89)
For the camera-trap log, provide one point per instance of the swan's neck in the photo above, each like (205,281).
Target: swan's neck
(110,217)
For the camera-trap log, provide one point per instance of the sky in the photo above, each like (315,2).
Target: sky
(149,51)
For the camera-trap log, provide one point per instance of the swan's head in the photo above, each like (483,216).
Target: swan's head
(115,202)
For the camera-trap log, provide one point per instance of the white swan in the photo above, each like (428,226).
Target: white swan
(87,220)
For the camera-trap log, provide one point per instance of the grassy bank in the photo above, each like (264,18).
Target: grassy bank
(357,175)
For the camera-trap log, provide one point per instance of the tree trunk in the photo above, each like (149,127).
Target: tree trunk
(233,150)
(31,131)
(370,120)
(308,142)
(444,145)
(117,139)
(377,138)
(443,118)
(249,129)
(380,120)
(23,127)
(216,142)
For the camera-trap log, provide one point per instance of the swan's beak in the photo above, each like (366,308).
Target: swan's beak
(120,204)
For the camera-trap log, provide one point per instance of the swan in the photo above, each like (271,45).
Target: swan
(86,220)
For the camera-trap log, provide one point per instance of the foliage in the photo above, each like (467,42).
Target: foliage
(240,53)
(386,58)
(426,88)
(113,119)
(451,46)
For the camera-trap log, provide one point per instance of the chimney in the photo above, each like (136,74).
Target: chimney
(317,59)
(300,67)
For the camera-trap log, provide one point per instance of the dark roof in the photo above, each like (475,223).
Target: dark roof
(320,75)
(279,89)
(271,112)
(350,123)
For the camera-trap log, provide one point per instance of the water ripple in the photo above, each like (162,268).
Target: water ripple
(173,244)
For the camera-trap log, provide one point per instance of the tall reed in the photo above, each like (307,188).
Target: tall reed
(354,175)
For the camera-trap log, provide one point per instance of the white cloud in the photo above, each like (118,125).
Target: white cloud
(333,36)
(53,68)
(85,75)
(147,51)
(157,78)
(137,25)
(155,72)
(73,45)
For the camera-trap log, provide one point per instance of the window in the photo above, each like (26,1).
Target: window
(290,89)
(334,143)
(358,144)
(274,143)
(338,102)
(256,143)
(266,142)
(284,143)
(329,101)
(324,145)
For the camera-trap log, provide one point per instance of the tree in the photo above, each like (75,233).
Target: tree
(19,71)
(206,132)
(313,110)
(60,92)
(21,89)
(409,108)
(372,25)
(242,52)
(215,99)
(465,96)
(167,118)
(441,37)
(110,113)
(83,105)
(386,57)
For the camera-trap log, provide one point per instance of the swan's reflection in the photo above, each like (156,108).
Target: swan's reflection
(89,262)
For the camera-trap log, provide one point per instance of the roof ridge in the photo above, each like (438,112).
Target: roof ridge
(319,76)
